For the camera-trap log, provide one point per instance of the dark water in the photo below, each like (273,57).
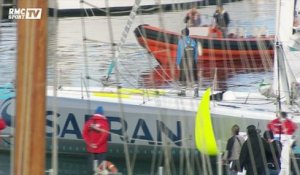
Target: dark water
(70,59)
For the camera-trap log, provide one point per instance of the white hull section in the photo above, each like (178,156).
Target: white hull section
(148,120)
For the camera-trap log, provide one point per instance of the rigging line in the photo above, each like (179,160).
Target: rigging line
(52,41)
(171,77)
(96,7)
(87,13)
(54,156)
(85,57)
(251,56)
(143,10)
(6,141)
(166,160)
(121,107)
(132,75)
(278,10)
(289,66)
(123,37)
(126,79)
(121,75)
(243,58)
(128,46)
(278,77)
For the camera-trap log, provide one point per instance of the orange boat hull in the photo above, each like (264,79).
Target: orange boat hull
(163,46)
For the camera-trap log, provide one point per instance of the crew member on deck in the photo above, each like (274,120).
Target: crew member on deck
(186,60)
(222,20)
(273,157)
(233,149)
(253,153)
(282,125)
(284,128)
(95,134)
(193,18)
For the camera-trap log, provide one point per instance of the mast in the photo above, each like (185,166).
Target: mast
(283,77)
(29,145)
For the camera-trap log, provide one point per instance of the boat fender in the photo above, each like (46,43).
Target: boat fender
(229,95)
(107,167)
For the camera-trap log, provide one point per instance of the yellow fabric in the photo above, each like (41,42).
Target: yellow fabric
(127,92)
(110,95)
(204,133)
(142,91)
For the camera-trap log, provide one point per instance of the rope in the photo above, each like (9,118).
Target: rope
(124,37)
(56,84)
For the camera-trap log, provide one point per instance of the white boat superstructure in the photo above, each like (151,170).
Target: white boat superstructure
(149,117)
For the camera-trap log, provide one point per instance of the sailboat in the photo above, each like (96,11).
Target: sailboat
(144,121)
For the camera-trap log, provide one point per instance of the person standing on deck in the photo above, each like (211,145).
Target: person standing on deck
(233,149)
(253,153)
(284,129)
(273,159)
(222,20)
(193,18)
(282,125)
(95,134)
(186,60)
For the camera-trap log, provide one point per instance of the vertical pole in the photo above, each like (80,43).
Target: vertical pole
(29,145)
(1,8)
(95,167)
(160,170)
(219,164)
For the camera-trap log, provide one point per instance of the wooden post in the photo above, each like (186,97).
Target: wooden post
(29,145)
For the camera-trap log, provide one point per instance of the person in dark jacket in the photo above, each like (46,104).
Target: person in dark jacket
(222,20)
(95,134)
(273,159)
(253,153)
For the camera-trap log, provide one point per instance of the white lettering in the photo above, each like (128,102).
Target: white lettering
(33,13)
(25,13)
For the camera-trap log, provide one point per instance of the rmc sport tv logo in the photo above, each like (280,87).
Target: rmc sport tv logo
(24,13)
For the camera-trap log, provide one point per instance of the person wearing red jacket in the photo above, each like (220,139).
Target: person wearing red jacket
(95,134)
(285,128)
(282,125)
